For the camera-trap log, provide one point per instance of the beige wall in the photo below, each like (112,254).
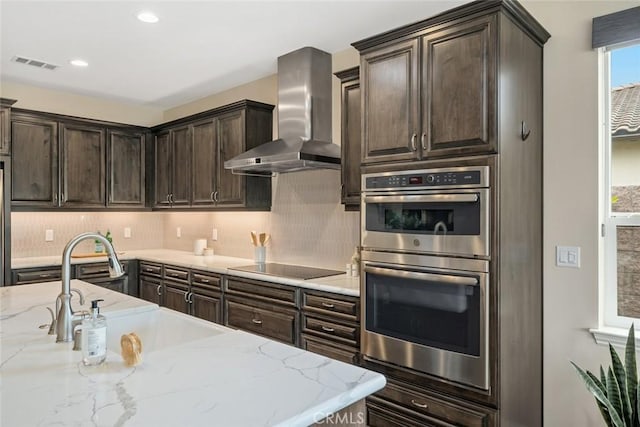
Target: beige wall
(625,156)
(570,205)
(54,101)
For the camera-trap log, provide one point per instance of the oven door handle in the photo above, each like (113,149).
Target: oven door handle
(433,277)
(432,198)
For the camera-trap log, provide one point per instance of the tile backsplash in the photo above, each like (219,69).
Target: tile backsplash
(28,231)
(307,223)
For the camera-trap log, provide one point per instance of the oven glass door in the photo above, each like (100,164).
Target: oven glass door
(430,320)
(443,222)
(452,214)
(437,310)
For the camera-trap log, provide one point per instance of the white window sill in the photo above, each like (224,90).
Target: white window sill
(617,337)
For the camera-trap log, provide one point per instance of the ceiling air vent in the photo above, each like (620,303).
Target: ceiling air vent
(34,63)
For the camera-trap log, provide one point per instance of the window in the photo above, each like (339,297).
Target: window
(621,192)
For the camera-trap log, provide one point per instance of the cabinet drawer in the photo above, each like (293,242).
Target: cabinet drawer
(262,291)
(331,305)
(380,415)
(101,269)
(447,411)
(21,277)
(176,274)
(280,326)
(149,269)
(329,349)
(331,329)
(205,280)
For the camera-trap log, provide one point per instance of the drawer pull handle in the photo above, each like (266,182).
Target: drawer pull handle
(418,404)
(327,329)
(204,280)
(159,290)
(256,321)
(45,275)
(327,305)
(150,270)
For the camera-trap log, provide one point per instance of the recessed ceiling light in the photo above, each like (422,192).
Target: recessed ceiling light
(148,17)
(79,62)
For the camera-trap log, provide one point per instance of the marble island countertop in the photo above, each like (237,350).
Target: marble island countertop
(341,284)
(216,376)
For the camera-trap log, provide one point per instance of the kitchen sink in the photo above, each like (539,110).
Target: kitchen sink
(158,329)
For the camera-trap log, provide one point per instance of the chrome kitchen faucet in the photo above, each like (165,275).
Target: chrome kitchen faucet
(66,317)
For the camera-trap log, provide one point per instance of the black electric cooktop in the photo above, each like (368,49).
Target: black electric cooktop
(286,270)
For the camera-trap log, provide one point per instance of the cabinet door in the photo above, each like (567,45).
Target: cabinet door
(389,80)
(176,298)
(351,135)
(5,140)
(205,163)
(279,325)
(163,170)
(459,88)
(151,290)
(181,156)
(231,142)
(34,158)
(126,170)
(83,166)
(206,307)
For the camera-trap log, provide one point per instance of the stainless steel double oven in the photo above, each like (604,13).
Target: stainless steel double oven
(425,269)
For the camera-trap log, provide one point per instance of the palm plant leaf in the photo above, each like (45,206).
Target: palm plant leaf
(600,396)
(613,395)
(617,369)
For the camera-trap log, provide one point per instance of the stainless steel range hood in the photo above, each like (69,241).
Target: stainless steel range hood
(304,119)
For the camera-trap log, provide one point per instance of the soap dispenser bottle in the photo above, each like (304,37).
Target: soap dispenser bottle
(94,337)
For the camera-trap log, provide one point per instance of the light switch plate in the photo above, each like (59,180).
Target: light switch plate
(568,256)
(127,232)
(214,234)
(48,235)
(178,232)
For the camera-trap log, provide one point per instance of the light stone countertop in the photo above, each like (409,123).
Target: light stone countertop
(341,284)
(221,377)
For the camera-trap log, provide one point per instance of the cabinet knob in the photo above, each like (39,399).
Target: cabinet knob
(524,131)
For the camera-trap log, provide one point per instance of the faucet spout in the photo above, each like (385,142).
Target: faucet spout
(64,329)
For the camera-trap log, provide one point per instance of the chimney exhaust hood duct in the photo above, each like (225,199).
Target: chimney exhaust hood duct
(304,120)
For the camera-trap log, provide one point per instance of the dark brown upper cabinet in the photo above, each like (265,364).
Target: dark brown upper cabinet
(126,169)
(390,101)
(173,167)
(432,94)
(459,86)
(204,163)
(5,125)
(83,150)
(34,158)
(351,105)
(212,137)
(72,163)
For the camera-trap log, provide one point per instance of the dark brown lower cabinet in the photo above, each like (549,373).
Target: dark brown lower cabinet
(270,321)
(175,297)
(400,404)
(329,348)
(24,276)
(206,307)
(151,289)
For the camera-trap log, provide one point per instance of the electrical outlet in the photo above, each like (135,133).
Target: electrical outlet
(127,232)
(568,256)
(214,234)
(178,232)
(48,235)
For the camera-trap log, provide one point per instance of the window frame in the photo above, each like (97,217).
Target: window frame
(609,318)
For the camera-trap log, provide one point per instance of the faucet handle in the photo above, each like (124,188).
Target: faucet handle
(52,327)
(80,294)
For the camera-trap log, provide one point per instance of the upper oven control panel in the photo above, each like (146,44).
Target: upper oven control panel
(463,177)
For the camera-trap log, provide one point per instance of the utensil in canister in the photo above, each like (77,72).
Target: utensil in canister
(263,238)
(254,238)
